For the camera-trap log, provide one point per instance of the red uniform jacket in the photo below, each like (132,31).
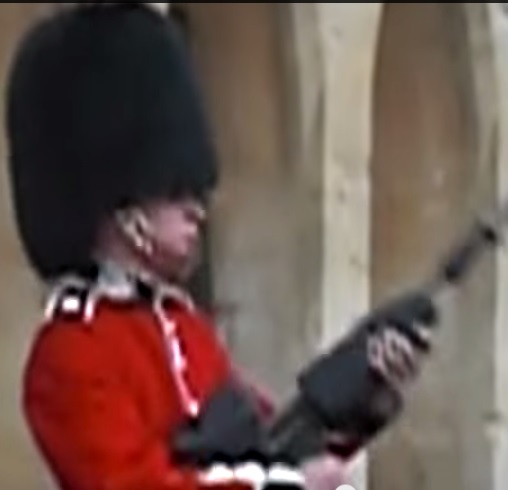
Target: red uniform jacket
(102,403)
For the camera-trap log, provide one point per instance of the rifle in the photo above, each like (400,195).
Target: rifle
(363,408)
(337,392)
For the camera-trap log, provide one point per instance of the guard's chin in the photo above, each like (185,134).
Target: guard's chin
(185,268)
(175,267)
(190,268)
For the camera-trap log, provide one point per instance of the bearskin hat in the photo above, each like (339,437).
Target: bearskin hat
(103,111)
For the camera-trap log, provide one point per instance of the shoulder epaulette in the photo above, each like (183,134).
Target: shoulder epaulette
(70,297)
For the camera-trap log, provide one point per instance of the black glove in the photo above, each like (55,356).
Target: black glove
(228,431)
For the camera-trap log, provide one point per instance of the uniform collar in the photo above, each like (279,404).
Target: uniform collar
(115,283)
(120,283)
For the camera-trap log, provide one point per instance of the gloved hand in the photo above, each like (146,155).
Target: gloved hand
(228,446)
(228,431)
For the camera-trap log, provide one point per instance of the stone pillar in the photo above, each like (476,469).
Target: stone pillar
(349,37)
(498,429)
(433,171)
(265,221)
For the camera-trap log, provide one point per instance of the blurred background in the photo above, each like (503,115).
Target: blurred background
(356,141)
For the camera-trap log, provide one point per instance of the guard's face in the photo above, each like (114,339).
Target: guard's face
(175,235)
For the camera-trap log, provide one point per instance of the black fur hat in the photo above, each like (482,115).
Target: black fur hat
(103,110)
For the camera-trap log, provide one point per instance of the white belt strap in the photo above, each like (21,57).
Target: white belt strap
(176,358)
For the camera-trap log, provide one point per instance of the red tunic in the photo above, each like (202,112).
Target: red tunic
(102,403)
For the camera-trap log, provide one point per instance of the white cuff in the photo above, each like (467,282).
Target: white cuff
(253,474)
